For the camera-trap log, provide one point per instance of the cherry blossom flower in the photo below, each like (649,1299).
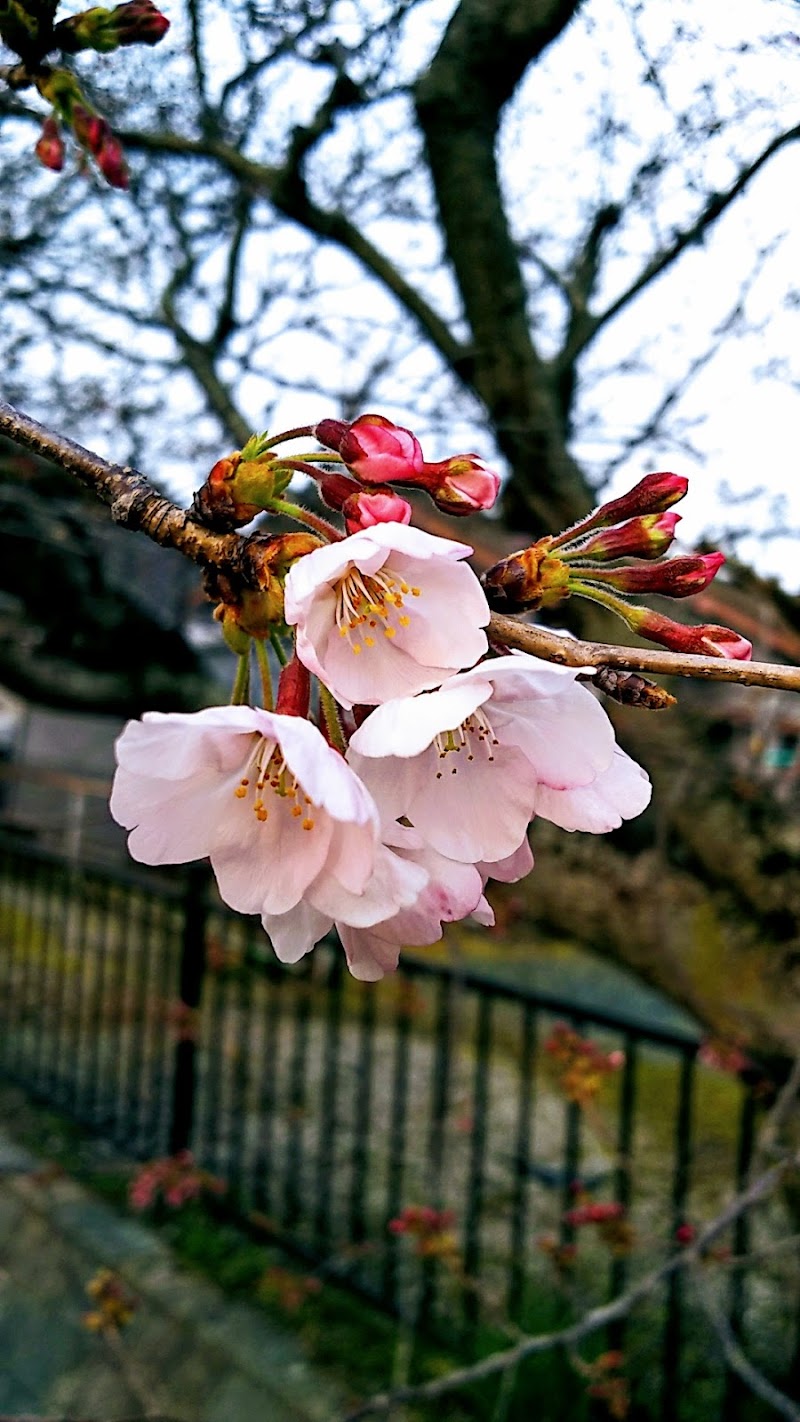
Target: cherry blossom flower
(280,814)
(385,613)
(469,765)
(445,892)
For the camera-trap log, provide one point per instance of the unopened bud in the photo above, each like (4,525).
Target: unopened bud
(335,489)
(50,147)
(529,579)
(374,448)
(136,22)
(460,485)
(139,22)
(368,507)
(215,503)
(90,129)
(653,494)
(294,690)
(647,537)
(705,640)
(674,577)
(111,162)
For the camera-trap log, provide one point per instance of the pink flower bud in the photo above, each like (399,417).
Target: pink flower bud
(674,577)
(90,130)
(336,488)
(368,507)
(645,537)
(653,494)
(50,147)
(705,640)
(685,1234)
(460,485)
(294,690)
(375,449)
(138,22)
(111,162)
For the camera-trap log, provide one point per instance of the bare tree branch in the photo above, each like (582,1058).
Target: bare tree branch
(592,1321)
(584,332)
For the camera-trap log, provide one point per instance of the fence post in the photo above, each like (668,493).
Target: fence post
(192,969)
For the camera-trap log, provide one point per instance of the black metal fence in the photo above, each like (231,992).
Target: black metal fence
(140,1006)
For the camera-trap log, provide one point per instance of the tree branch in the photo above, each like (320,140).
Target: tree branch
(132,500)
(293,201)
(717,204)
(592,1321)
(570,652)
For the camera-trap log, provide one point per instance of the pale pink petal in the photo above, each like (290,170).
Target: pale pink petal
(483,913)
(369,955)
(270,868)
(294,934)
(619,793)
(395,883)
(514,867)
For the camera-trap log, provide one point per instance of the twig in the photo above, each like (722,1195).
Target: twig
(133,501)
(740,1364)
(570,652)
(595,1319)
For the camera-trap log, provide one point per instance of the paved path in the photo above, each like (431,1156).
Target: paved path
(190,1353)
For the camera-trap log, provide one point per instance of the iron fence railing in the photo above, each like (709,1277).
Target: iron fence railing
(143,1008)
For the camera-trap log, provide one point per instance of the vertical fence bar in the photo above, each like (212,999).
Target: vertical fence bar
(623,1189)
(240,1001)
(104,902)
(397,1130)
(671,1357)
(328,1122)
(522,1159)
(264,1165)
(361,1121)
(572,1162)
(49,977)
(190,987)
(440,1095)
(293,1184)
(477,1164)
(737,1301)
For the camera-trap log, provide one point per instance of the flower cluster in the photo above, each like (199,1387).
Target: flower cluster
(405,757)
(430,1229)
(581,1064)
(175,1180)
(98,29)
(589,560)
(114,1305)
(610,1218)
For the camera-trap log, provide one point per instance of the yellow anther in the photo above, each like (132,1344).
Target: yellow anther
(296,811)
(308,824)
(240,792)
(387,632)
(355,648)
(262,814)
(369,641)
(405,620)
(416,592)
